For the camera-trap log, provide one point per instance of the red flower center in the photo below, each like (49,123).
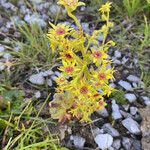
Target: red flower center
(95,95)
(101,103)
(102,76)
(97,54)
(69,69)
(68,56)
(60,31)
(83,90)
(62,79)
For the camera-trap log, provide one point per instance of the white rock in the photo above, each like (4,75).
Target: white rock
(78,141)
(131,125)
(115,111)
(104,141)
(103,112)
(133,110)
(49,82)
(126,85)
(2,66)
(133,78)
(117,54)
(37,79)
(126,142)
(117,144)
(38,94)
(130,97)
(110,130)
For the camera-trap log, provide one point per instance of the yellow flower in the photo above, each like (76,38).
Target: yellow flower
(67,56)
(98,55)
(105,8)
(60,30)
(70,4)
(69,69)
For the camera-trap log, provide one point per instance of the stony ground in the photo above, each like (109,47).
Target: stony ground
(120,126)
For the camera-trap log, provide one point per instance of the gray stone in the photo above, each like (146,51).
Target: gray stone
(117,144)
(78,141)
(53,77)
(115,111)
(54,9)
(47,73)
(103,112)
(133,78)
(126,85)
(124,60)
(100,37)
(7,56)
(133,110)
(126,142)
(49,82)
(57,73)
(85,26)
(97,131)
(38,94)
(125,114)
(104,141)
(110,130)
(2,66)
(131,125)
(116,61)
(126,107)
(130,97)
(2,49)
(35,18)
(37,79)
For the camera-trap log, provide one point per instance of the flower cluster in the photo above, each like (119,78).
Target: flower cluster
(84,81)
